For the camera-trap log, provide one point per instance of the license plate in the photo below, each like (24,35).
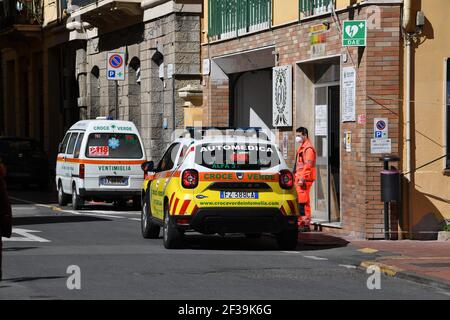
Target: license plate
(238,195)
(114,181)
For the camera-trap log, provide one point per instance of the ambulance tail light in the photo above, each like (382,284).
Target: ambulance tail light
(81,171)
(286,179)
(189,179)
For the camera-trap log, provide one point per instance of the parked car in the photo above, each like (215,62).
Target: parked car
(26,162)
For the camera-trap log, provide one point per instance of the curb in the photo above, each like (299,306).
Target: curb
(395,272)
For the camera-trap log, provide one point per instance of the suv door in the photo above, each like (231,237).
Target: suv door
(163,173)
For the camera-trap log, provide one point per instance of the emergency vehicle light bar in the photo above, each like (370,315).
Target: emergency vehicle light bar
(202,130)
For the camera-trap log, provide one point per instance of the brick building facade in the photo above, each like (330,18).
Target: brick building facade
(357,207)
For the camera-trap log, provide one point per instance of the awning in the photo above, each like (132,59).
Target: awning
(247,60)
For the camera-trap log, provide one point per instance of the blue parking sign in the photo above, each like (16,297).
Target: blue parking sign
(111,74)
(379,134)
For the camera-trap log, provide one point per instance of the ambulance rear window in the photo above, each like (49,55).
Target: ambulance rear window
(237,156)
(113,146)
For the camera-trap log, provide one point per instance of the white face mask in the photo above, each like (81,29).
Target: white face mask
(299,139)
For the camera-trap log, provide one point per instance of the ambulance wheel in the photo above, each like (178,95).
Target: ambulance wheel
(77,201)
(172,237)
(63,199)
(137,203)
(287,239)
(120,203)
(148,228)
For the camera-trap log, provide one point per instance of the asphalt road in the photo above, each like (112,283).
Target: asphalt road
(115,262)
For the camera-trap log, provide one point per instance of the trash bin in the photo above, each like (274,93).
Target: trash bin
(390,189)
(390,185)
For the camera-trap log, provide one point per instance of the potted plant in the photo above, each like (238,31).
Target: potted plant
(444,235)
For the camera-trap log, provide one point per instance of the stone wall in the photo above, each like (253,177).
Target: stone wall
(151,102)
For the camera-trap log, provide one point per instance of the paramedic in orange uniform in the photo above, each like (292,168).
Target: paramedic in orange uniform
(305,175)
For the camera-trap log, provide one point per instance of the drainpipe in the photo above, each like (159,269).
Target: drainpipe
(408,26)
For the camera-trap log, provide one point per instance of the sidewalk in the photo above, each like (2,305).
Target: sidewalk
(420,261)
(424,261)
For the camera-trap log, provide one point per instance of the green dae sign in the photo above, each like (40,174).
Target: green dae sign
(355,33)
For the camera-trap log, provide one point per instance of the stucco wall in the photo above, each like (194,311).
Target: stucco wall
(431,197)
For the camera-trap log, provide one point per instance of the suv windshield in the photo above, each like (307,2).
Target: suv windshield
(237,156)
(114,146)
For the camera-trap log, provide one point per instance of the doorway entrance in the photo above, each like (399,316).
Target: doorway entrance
(251,96)
(327,142)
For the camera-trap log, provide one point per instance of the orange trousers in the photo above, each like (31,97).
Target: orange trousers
(304,204)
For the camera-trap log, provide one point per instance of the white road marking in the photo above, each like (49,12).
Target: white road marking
(95,213)
(129,213)
(22,208)
(290,252)
(315,258)
(347,266)
(134,219)
(26,236)
(24,201)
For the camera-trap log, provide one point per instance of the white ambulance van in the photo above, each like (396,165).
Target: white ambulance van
(100,160)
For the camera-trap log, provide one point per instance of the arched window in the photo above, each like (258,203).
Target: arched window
(134,91)
(94,85)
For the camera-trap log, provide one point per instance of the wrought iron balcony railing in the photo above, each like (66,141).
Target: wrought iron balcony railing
(20,12)
(232,18)
(315,7)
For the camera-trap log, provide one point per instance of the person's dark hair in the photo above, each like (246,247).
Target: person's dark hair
(302,130)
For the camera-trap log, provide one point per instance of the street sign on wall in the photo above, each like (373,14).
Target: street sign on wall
(348,94)
(116,66)
(354,33)
(381,128)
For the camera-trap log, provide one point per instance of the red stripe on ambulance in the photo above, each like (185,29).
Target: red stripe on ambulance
(184,207)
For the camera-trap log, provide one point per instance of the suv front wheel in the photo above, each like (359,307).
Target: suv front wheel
(149,229)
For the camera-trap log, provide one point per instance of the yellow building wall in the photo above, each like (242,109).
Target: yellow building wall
(284,11)
(431,197)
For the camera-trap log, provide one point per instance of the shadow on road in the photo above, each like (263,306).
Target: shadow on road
(311,241)
(18,249)
(22,196)
(27,279)
(307,242)
(23,221)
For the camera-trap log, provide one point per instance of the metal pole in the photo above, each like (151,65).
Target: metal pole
(409,164)
(117,100)
(386,211)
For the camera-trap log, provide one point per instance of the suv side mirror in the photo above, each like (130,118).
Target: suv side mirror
(148,166)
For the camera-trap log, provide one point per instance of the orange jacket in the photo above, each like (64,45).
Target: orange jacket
(305,167)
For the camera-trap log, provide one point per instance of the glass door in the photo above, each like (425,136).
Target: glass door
(320,211)
(327,144)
